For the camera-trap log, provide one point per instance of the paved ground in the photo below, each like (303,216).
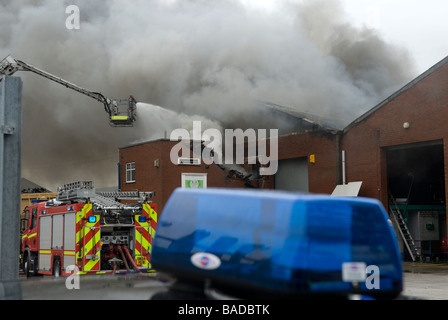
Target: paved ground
(427,281)
(104,287)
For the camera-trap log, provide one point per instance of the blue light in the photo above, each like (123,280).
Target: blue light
(142,219)
(92,219)
(277,242)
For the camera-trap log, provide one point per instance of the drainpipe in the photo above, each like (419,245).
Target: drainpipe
(119,181)
(343,168)
(338,153)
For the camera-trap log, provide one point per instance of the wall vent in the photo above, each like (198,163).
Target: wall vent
(189,161)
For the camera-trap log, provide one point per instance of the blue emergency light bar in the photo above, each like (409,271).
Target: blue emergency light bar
(276,244)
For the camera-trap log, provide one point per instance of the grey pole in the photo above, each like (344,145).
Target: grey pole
(10,176)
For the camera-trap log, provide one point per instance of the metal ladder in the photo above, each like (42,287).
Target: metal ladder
(85,191)
(404,231)
(105,202)
(127,195)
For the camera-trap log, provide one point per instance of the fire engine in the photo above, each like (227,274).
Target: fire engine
(88,231)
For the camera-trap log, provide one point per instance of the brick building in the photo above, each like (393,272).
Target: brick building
(397,150)
(403,140)
(147,167)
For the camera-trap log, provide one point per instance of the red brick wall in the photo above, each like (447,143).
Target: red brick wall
(167,177)
(323,174)
(424,106)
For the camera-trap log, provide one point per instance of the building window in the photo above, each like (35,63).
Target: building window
(34,219)
(130,172)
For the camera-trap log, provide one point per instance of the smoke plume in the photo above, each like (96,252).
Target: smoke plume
(212,60)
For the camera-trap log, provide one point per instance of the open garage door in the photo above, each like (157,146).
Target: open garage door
(416,182)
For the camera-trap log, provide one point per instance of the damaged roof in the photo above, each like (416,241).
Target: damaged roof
(307,121)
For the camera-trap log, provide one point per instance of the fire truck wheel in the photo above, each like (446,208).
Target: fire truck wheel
(26,266)
(57,268)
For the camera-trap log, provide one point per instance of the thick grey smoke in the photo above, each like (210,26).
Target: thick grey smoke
(211,59)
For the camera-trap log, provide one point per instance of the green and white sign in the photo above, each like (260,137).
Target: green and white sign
(194,180)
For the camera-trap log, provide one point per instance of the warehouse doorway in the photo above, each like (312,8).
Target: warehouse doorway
(416,172)
(292,175)
(416,182)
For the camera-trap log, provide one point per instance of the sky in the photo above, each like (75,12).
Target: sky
(216,61)
(417,25)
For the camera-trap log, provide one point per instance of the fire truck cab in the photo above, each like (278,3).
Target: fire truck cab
(88,232)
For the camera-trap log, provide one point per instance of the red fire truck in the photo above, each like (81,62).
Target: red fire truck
(88,231)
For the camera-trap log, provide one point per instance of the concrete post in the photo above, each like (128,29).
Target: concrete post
(10,177)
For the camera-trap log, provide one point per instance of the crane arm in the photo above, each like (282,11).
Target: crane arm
(114,108)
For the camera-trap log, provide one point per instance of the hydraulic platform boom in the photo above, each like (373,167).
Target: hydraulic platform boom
(122,112)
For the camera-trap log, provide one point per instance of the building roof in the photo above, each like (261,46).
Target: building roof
(27,186)
(142,142)
(306,121)
(396,94)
